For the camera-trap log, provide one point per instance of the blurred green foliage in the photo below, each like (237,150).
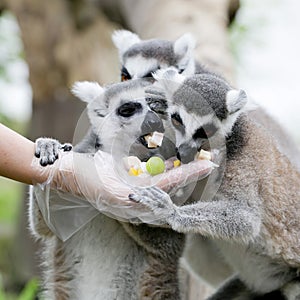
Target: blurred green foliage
(28,293)
(10,193)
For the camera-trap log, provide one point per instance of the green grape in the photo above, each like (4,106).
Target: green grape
(155,165)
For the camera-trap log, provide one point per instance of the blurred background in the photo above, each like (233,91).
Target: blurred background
(264,47)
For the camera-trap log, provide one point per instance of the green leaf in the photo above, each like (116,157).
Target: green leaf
(30,290)
(2,294)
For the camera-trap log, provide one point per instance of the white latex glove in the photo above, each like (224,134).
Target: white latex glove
(99,179)
(79,181)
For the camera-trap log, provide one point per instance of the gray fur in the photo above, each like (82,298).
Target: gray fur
(108,259)
(160,54)
(161,50)
(211,92)
(253,217)
(234,142)
(131,47)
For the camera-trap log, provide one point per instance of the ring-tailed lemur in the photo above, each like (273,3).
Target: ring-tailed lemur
(254,216)
(158,54)
(108,259)
(140,59)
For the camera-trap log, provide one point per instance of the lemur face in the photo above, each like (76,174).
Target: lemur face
(203,109)
(119,114)
(140,58)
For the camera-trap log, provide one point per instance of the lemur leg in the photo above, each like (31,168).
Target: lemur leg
(222,219)
(232,289)
(160,278)
(235,289)
(47,149)
(292,289)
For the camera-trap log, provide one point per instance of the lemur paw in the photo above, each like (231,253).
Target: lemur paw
(155,199)
(47,150)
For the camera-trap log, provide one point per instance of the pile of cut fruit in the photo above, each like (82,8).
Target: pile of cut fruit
(156,165)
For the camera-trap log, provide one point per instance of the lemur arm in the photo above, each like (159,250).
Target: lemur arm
(221,219)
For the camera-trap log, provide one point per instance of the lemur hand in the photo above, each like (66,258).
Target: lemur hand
(156,200)
(47,150)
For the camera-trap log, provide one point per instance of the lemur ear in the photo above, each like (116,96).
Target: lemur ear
(183,49)
(124,39)
(168,74)
(87,91)
(168,79)
(235,100)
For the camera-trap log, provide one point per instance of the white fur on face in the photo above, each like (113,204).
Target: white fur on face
(114,130)
(139,66)
(191,122)
(170,74)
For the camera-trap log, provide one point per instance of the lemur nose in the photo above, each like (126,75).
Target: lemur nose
(152,122)
(186,153)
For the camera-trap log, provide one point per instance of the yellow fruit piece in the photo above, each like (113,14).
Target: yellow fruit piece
(176,163)
(134,172)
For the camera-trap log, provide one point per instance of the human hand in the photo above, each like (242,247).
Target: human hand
(98,179)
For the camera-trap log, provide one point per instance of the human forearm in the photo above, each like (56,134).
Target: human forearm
(16,154)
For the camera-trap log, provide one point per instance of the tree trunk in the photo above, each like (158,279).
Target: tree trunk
(60,48)
(68,40)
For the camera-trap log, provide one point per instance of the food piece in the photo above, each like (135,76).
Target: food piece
(154,139)
(176,163)
(143,167)
(204,155)
(132,162)
(134,172)
(155,165)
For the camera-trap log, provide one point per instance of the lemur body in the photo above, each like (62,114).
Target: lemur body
(140,59)
(253,218)
(156,54)
(108,259)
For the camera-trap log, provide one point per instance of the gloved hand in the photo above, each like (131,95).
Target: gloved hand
(98,179)
(79,186)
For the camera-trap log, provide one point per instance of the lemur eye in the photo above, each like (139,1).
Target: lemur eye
(128,109)
(125,74)
(205,132)
(176,120)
